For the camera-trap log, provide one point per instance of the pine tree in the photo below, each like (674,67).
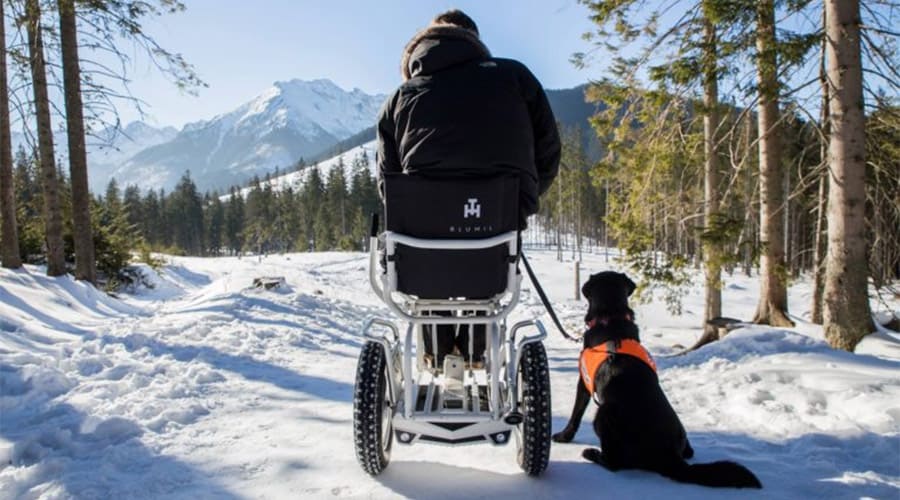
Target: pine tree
(883,188)
(113,197)
(234,222)
(29,208)
(666,136)
(134,208)
(773,305)
(820,246)
(364,196)
(65,206)
(9,234)
(712,196)
(115,237)
(312,195)
(185,213)
(85,267)
(290,219)
(846,313)
(150,224)
(215,224)
(166,222)
(323,230)
(258,221)
(56,265)
(336,203)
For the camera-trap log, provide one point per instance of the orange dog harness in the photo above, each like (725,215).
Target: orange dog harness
(592,358)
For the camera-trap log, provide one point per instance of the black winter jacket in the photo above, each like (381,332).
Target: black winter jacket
(462,112)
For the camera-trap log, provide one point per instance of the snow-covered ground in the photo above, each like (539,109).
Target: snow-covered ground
(207,388)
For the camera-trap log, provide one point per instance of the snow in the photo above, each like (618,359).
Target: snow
(308,106)
(203,387)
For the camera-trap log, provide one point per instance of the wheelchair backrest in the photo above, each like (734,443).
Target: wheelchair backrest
(451,209)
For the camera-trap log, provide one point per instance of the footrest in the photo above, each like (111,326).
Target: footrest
(451,432)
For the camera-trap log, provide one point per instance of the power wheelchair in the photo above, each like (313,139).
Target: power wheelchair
(447,264)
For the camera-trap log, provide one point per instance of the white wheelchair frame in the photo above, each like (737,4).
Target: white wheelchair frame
(490,412)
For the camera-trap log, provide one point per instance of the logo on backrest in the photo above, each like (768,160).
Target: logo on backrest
(472,208)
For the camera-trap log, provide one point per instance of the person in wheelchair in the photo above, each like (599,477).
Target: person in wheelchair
(462,113)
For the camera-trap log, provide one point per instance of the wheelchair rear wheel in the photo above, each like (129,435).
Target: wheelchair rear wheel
(372,411)
(533,434)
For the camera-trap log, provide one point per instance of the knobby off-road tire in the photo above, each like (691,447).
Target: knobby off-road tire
(534,386)
(372,429)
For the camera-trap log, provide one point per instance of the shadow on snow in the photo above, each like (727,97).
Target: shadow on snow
(55,445)
(243,365)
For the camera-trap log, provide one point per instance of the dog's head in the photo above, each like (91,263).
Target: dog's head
(607,294)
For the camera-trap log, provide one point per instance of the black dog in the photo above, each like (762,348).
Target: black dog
(637,427)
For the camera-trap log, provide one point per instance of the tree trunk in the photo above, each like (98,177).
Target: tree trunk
(786,222)
(819,245)
(711,247)
(749,231)
(85,268)
(56,264)
(559,220)
(9,237)
(819,249)
(605,224)
(773,305)
(846,312)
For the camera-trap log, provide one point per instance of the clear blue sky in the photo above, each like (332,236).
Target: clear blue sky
(241,47)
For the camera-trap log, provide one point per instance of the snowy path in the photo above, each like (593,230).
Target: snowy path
(206,388)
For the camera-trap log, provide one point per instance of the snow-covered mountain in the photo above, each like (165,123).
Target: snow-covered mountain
(291,120)
(107,149)
(112,148)
(288,121)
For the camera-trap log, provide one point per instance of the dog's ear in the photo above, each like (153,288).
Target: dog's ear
(588,290)
(629,285)
(588,286)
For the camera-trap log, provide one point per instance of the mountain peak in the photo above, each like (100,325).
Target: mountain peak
(289,120)
(317,84)
(309,105)
(136,128)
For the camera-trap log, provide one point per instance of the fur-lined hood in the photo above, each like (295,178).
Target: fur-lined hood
(416,49)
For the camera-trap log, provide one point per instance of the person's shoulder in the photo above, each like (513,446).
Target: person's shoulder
(510,64)
(391,99)
(525,78)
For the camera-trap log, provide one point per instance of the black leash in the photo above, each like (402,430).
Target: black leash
(543,296)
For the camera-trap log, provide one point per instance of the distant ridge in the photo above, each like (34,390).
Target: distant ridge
(288,121)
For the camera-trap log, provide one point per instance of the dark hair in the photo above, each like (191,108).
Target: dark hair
(456,17)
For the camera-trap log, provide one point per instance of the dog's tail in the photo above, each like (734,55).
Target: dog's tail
(722,474)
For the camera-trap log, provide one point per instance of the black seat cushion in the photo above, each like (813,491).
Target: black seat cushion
(451,208)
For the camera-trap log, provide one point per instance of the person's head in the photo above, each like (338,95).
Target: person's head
(453,24)
(455,17)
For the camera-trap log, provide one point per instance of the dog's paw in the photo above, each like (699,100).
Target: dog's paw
(593,454)
(563,437)
(599,458)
